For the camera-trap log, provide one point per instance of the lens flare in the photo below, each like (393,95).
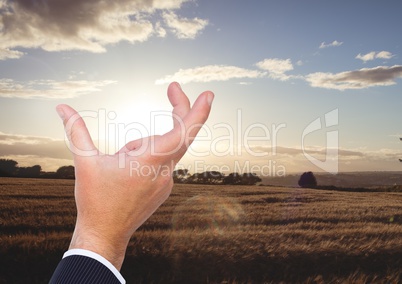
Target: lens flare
(208,212)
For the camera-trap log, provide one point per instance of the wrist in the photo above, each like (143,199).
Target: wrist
(112,251)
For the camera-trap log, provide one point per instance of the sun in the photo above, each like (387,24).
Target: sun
(130,122)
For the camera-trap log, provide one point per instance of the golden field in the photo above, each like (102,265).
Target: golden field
(217,234)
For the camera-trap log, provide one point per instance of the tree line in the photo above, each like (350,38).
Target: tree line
(10,168)
(215,177)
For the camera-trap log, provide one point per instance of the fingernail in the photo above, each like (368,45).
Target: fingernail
(60,112)
(210,98)
(178,85)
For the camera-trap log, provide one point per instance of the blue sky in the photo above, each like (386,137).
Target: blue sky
(271,64)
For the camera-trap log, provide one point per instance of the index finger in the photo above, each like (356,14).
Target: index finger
(179,101)
(176,142)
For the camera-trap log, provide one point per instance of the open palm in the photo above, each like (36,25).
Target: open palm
(115,194)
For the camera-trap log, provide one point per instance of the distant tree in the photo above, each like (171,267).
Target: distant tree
(207,177)
(250,179)
(66,172)
(211,177)
(180,176)
(215,177)
(8,168)
(29,172)
(193,178)
(307,180)
(244,179)
(233,178)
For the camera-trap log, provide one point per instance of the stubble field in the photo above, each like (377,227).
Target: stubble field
(217,234)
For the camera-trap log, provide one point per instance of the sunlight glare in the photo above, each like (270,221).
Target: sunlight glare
(130,122)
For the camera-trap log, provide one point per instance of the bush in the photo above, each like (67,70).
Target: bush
(307,180)
(66,172)
(8,168)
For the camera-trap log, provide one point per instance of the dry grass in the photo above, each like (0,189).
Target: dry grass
(217,234)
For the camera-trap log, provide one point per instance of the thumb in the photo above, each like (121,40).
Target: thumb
(81,143)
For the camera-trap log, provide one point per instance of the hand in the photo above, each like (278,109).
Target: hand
(112,199)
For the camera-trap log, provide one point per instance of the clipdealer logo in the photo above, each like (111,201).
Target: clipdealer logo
(235,141)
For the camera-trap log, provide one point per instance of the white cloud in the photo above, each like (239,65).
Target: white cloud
(13,139)
(14,144)
(48,89)
(35,150)
(210,73)
(85,25)
(384,55)
(53,153)
(334,43)
(183,27)
(292,152)
(375,55)
(276,68)
(359,79)
(160,31)
(367,57)
(292,159)
(6,53)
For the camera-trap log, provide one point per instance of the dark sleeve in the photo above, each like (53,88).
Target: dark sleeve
(77,269)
